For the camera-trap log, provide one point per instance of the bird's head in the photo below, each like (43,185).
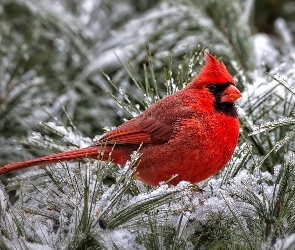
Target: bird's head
(215,79)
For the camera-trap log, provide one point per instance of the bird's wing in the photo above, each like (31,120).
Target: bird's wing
(137,131)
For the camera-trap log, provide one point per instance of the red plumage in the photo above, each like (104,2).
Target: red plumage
(191,133)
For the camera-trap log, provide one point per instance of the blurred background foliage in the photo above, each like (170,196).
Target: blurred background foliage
(52,54)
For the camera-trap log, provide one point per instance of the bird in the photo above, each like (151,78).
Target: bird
(189,135)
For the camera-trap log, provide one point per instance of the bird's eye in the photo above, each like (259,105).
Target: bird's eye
(212,87)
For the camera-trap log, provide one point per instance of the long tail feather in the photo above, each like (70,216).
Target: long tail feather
(89,152)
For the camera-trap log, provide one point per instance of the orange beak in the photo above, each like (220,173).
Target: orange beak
(230,94)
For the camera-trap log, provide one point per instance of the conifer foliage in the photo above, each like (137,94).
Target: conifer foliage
(71,69)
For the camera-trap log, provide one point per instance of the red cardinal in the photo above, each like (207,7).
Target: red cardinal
(191,134)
